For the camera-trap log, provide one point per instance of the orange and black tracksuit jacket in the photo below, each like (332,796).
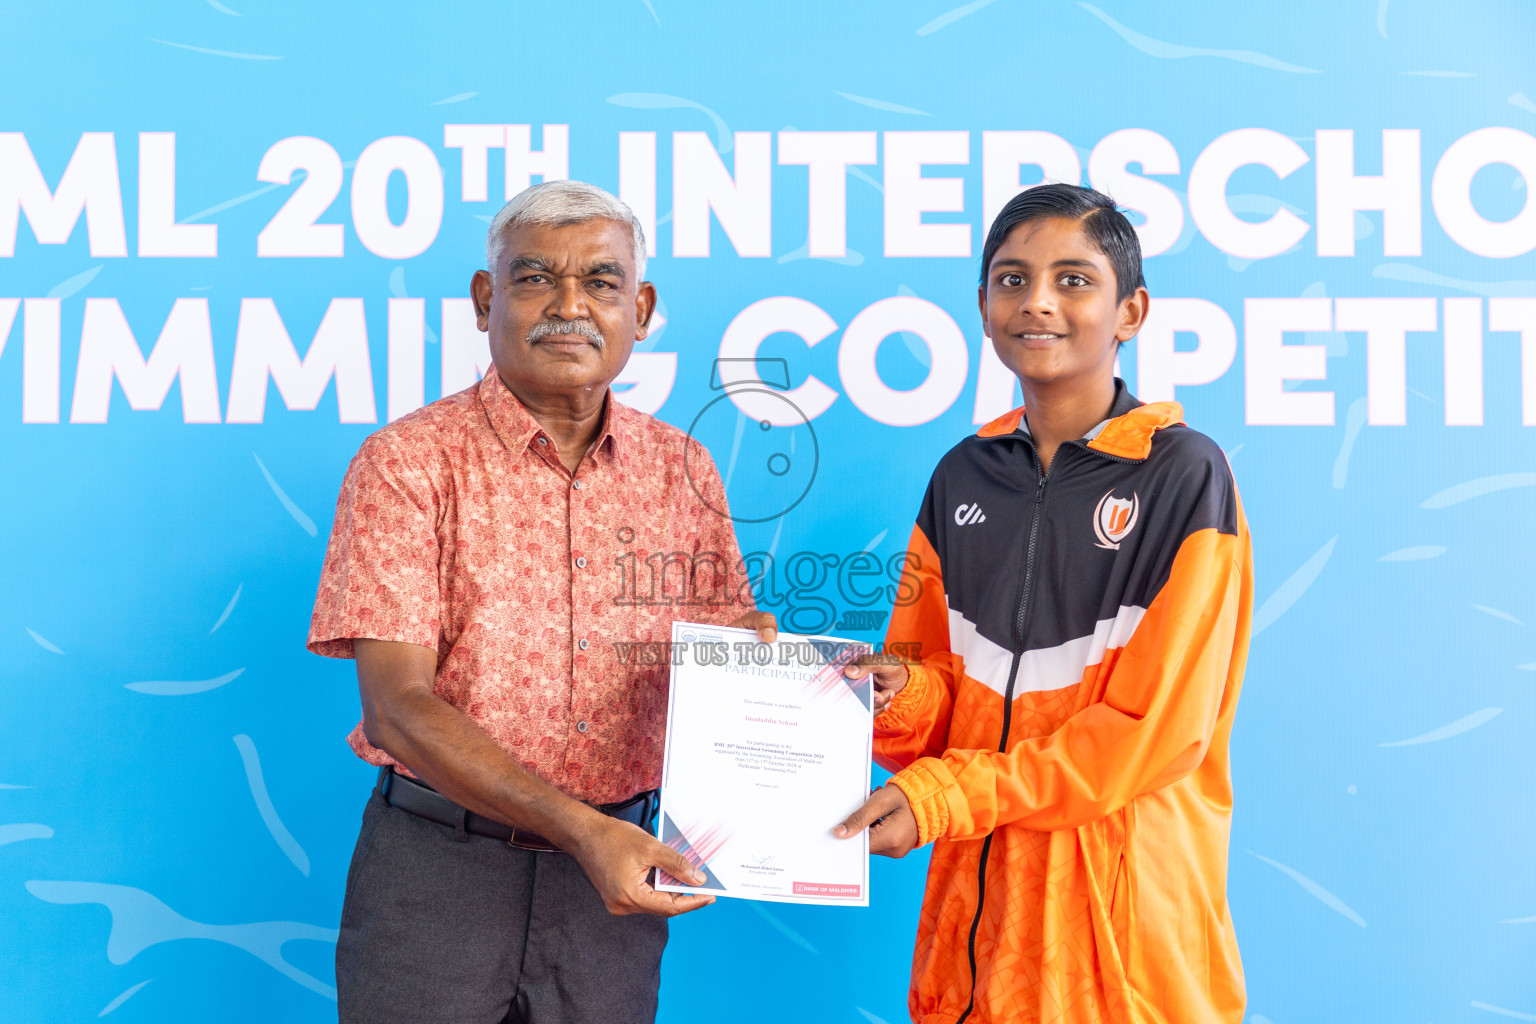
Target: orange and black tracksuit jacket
(1063,742)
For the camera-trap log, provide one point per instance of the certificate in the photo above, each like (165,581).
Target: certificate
(768,750)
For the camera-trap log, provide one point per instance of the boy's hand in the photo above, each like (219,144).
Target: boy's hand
(887,672)
(888,816)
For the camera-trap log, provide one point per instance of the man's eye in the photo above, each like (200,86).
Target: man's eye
(532,279)
(599,283)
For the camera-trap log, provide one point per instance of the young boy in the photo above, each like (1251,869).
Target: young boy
(1083,604)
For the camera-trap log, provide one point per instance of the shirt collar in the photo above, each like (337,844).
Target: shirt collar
(517,429)
(1014,421)
(1094,432)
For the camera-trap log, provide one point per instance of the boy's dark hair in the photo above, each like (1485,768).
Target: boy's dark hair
(1106,227)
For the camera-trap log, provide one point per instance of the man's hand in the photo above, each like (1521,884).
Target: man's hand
(888,673)
(618,857)
(888,816)
(766,625)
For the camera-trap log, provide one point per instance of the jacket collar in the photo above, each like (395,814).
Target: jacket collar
(1127,434)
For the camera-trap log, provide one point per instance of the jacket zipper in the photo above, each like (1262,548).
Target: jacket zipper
(1013,674)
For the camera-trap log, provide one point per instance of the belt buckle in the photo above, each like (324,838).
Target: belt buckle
(546,847)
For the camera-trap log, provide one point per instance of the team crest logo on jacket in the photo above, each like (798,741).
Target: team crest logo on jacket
(1114,518)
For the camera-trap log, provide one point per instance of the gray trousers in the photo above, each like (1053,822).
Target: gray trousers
(452,928)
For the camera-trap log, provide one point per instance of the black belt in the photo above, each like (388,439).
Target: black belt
(418,798)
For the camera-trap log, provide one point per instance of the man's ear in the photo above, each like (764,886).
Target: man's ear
(645,305)
(480,288)
(1133,314)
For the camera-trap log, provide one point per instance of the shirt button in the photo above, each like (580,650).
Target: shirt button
(581,726)
(576,484)
(582,643)
(543,440)
(581,563)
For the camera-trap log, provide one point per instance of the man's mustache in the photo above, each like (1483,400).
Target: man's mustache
(549,328)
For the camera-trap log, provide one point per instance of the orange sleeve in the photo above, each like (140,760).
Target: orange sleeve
(916,722)
(1162,695)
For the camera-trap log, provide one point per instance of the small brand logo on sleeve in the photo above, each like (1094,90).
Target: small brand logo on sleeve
(1114,518)
(966,515)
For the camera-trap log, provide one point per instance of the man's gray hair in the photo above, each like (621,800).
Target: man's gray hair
(556,204)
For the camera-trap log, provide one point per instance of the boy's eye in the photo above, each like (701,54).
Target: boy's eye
(1011,280)
(1074,280)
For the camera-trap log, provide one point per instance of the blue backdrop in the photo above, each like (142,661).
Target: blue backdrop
(177,804)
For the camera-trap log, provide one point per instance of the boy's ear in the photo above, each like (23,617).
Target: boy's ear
(1133,314)
(981,304)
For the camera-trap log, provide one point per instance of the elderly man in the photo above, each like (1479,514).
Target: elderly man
(474,572)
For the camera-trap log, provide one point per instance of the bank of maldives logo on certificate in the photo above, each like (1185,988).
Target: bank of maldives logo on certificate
(768,750)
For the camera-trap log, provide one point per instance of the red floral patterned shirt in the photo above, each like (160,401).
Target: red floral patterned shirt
(459,529)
